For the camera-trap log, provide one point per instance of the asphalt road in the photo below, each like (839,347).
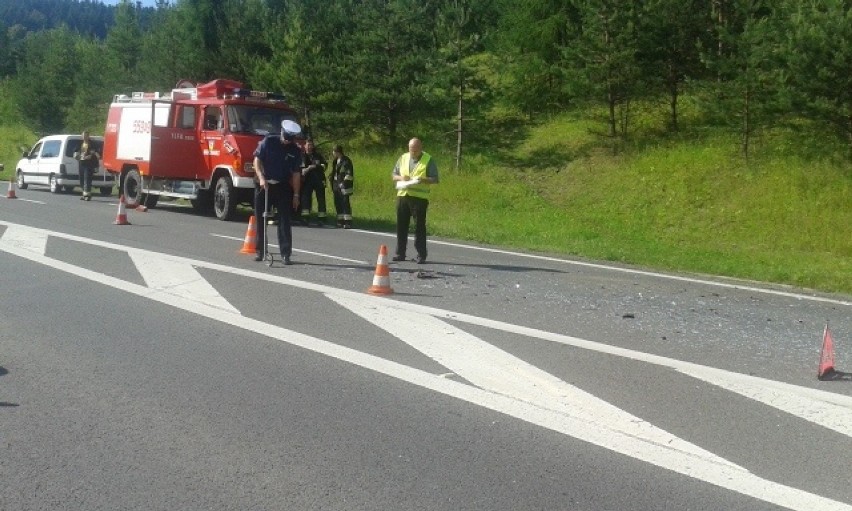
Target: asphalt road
(153,366)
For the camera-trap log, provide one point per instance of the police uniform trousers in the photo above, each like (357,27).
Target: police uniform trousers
(280,198)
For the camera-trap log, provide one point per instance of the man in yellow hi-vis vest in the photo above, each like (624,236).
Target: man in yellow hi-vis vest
(415,172)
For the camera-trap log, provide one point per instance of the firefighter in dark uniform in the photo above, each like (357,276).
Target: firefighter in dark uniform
(342,180)
(313,183)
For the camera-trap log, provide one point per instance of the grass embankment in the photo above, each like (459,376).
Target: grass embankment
(691,205)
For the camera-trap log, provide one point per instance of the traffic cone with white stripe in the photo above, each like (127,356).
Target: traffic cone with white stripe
(250,241)
(121,217)
(826,356)
(11,193)
(381,279)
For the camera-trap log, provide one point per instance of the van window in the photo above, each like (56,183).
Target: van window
(35,150)
(73,146)
(51,149)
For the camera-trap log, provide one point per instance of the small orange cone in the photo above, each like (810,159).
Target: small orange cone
(826,356)
(11,193)
(381,280)
(121,217)
(250,242)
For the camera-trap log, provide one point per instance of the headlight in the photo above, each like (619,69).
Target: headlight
(248,168)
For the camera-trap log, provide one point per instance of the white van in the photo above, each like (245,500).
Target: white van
(51,162)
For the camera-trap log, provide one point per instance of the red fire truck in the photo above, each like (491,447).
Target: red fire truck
(194,142)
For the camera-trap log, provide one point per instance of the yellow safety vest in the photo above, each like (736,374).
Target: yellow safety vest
(419,172)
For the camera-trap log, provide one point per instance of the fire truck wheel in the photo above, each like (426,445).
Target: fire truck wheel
(132,188)
(224,202)
(22,185)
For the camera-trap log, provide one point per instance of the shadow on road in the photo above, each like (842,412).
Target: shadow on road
(4,371)
(836,376)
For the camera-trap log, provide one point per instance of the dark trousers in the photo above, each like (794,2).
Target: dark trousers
(281,198)
(314,185)
(86,177)
(407,207)
(343,207)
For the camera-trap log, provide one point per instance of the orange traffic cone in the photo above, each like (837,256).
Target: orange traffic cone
(121,218)
(826,356)
(381,280)
(250,242)
(11,193)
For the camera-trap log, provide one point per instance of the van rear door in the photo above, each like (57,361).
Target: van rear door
(50,161)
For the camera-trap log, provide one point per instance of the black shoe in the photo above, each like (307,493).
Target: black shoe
(287,260)
(258,257)
(421,259)
(398,258)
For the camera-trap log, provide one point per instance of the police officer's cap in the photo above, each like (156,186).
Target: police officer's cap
(290,129)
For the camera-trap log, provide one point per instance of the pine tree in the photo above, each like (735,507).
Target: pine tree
(819,60)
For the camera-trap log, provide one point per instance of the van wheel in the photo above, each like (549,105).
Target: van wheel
(22,185)
(54,186)
(224,202)
(132,189)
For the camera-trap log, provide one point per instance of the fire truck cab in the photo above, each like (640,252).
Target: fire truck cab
(194,142)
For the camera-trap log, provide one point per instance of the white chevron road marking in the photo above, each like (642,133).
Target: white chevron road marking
(574,418)
(495,370)
(178,277)
(25,238)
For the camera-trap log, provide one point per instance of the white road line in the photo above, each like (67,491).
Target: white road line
(318,254)
(839,403)
(179,278)
(494,370)
(633,271)
(25,238)
(721,474)
(31,200)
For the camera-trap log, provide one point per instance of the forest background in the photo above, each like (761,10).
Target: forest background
(710,136)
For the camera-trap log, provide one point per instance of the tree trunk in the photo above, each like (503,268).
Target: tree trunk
(746,121)
(673,96)
(460,126)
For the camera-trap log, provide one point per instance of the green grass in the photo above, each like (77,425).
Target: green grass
(686,203)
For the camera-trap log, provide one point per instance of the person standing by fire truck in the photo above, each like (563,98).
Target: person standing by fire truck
(313,183)
(342,180)
(89,160)
(277,163)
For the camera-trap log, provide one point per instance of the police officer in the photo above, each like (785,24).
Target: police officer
(277,163)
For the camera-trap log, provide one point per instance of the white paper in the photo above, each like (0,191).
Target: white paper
(401,185)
